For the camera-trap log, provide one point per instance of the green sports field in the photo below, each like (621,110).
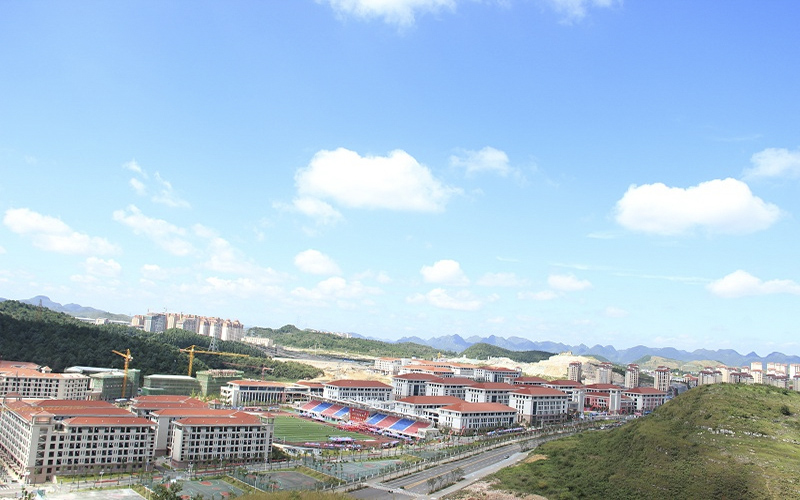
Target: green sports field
(297,430)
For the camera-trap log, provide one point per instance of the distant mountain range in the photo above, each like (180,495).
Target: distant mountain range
(456,343)
(75,310)
(728,357)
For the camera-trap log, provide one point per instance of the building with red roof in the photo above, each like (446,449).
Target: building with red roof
(356,390)
(466,416)
(538,405)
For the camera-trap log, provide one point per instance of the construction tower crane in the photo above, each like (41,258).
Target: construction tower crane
(191,350)
(128,358)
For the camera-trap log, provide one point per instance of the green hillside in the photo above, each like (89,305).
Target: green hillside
(291,336)
(486,351)
(39,335)
(715,441)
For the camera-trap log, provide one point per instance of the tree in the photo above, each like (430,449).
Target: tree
(161,492)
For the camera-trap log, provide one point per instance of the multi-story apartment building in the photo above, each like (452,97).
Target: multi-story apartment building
(662,378)
(29,380)
(164,420)
(44,438)
(239,437)
(603,374)
(573,389)
(574,371)
(473,416)
(357,390)
(423,406)
(455,386)
(143,406)
(489,392)
(529,381)
(170,385)
(539,405)
(259,392)
(645,398)
(496,373)
(632,376)
(411,384)
(388,366)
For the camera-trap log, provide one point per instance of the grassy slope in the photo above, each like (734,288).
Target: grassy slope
(719,441)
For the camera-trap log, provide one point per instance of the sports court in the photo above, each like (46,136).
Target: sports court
(287,480)
(210,489)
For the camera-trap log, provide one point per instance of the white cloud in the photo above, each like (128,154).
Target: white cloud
(239,287)
(316,262)
(394,182)
(718,206)
(225,258)
(501,279)
(162,233)
(152,272)
(138,186)
(133,166)
(487,159)
(567,283)
(438,297)
(615,312)
(575,10)
(543,295)
(164,192)
(2,250)
(335,289)
(400,12)
(103,268)
(743,284)
(775,162)
(444,272)
(54,235)
(322,212)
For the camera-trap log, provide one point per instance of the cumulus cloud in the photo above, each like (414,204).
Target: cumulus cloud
(487,159)
(774,162)
(501,279)
(718,206)
(743,284)
(316,262)
(567,283)
(53,234)
(103,268)
(335,289)
(162,193)
(402,13)
(444,272)
(162,233)
(439,297)
(394,182)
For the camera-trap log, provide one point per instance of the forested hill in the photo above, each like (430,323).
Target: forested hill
(714,441)
(486,351)
(291,336)
(39,335)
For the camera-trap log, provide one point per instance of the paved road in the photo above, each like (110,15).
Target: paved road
(416,484)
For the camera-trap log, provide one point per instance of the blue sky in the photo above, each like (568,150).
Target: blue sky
(574,171)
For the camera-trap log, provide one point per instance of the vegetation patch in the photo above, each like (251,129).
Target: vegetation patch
(715,441)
